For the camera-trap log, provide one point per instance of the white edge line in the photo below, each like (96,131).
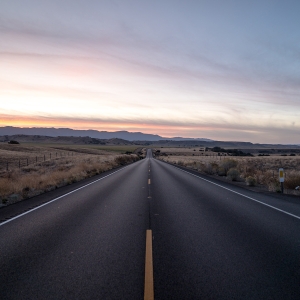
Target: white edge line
(29,211)
(283,211)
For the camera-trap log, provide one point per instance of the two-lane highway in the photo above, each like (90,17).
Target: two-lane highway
(209,242)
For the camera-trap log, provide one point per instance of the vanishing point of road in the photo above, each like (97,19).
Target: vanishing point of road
(205,239)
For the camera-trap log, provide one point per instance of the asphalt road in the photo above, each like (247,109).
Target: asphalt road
(211,240)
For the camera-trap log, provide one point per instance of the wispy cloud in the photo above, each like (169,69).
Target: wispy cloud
(184,71)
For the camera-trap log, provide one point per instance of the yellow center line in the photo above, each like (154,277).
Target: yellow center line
(149,181)
(149,285)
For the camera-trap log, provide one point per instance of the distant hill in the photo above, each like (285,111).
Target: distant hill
(72,140)
(60,132)
(245,146)
(86,140)
(22,138)
(187,139)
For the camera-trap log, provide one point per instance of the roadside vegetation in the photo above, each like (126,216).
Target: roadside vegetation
(120,149)
(256,171)
(73,164)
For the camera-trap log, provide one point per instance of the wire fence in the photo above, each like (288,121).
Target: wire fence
(25,162)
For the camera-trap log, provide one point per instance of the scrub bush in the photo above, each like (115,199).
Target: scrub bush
(250,181)
(226,165)
(233,174)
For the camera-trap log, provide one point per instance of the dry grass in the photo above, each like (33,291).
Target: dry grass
(11,156)
(28,181)
(259,170)
(183,151)
(119,149)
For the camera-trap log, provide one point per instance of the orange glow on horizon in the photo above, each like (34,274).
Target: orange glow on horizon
(160,129)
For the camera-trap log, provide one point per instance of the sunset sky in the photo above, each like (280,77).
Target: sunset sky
(218,69)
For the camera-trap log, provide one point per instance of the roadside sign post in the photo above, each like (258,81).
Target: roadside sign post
(281,178)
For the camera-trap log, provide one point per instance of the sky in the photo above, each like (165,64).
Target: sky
(219,69)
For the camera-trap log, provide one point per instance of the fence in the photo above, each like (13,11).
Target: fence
(24,162)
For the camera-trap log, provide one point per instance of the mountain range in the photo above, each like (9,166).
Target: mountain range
(55,132)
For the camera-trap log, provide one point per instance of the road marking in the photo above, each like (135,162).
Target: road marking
(149,285)
(278,209)
(29,211)
(149,181)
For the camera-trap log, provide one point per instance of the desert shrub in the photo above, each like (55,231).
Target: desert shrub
(200,166)
(180,163)
(292,180)
(226,165)
(274,185)
(214,167)
(233,174)
(261,178)
(125,159)
(210,168)
(250,181)
(5,187)
(249,171)
(221,171)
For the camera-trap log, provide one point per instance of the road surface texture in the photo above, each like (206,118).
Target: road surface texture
(210,240)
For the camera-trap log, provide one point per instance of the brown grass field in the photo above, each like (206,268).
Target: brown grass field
(257,171)
(67,164)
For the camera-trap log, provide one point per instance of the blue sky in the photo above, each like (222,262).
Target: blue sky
(225,70)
